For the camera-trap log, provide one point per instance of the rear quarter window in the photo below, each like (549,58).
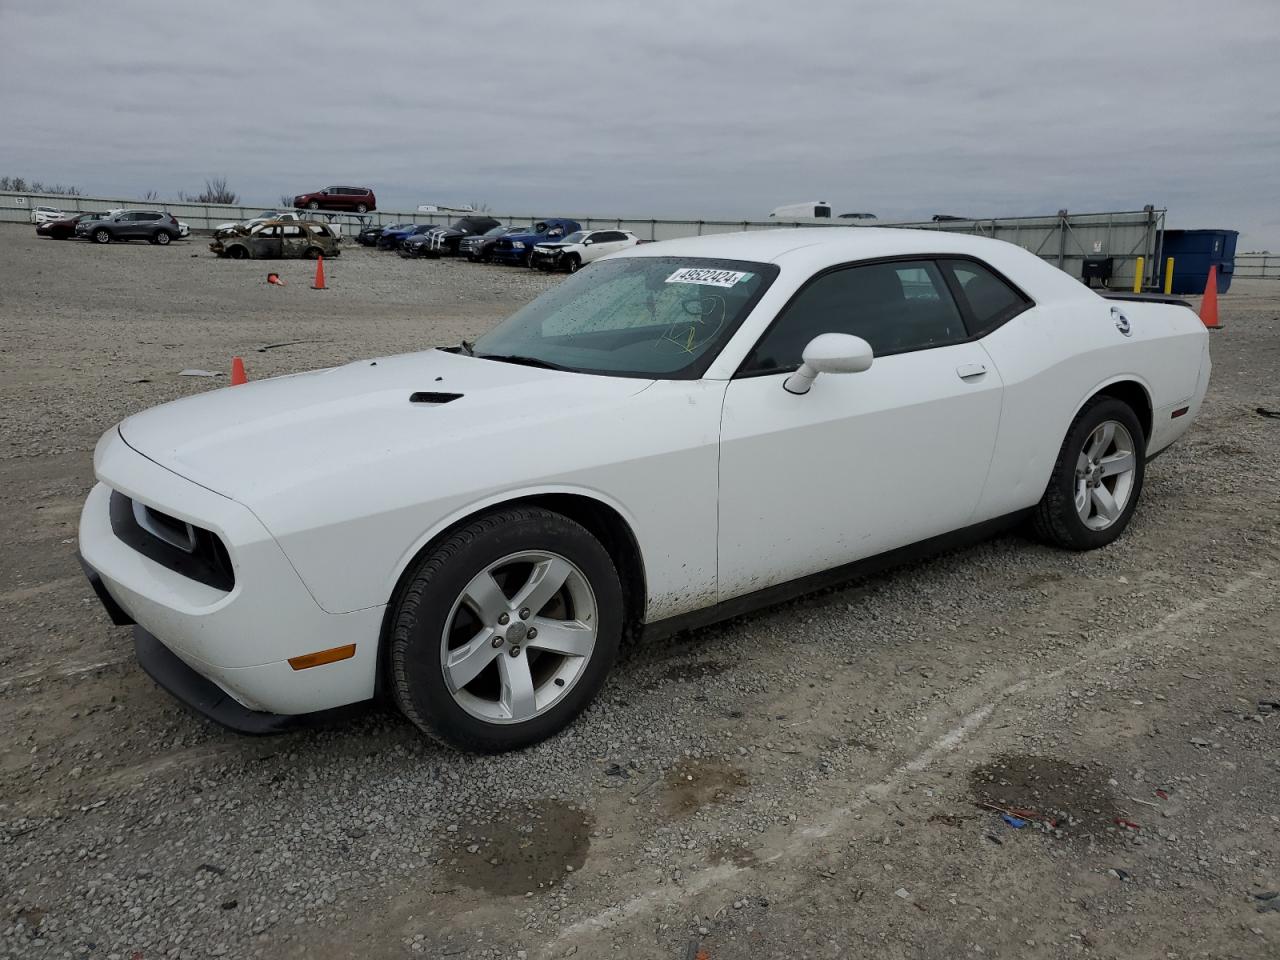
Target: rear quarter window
(991,300)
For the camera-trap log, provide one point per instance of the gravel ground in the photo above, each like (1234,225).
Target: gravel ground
(805,782)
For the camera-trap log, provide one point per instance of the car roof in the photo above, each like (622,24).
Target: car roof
(815,248)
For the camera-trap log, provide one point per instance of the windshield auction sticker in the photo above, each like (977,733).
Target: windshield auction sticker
(707,276)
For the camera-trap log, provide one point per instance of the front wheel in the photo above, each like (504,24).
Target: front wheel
(506,630)
(313,205)
(1097,480)
(572,263)
(102,236)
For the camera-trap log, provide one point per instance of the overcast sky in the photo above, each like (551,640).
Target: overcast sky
(651,108)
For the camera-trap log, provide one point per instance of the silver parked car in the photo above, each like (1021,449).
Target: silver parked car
(152,225)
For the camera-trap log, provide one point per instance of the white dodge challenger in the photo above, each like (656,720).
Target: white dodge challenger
(675,434)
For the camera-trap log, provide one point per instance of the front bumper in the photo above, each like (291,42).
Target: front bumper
(549,260)
(208,699)
(238,639)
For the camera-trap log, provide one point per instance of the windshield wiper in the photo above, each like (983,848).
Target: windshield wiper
(522,360)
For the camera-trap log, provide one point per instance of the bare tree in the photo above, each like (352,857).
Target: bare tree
(479,207)
(217,191)
(151,196)
(286,201)
(20,185)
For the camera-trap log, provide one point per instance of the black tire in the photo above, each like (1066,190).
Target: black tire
(313,253)
(313,205)
(101,235)
(427,598)
(571,263)
(162,237)
(1056,520)
(238,253)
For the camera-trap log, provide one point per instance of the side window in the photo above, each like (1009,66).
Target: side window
(896,307)
(991,300)
(292,231)
(151,216)
(609,236)
(269,233)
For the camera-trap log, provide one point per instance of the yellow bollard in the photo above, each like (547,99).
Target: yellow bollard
(1138,271)
(1168,276)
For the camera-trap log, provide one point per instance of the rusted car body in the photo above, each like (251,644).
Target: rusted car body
(278,239)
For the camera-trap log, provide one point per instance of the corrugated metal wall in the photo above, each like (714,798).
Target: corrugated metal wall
(1063,239)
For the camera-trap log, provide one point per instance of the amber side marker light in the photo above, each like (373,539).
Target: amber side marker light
(321,657)
(1181,411)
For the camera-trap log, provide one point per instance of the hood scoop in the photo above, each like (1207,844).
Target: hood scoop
(433,399)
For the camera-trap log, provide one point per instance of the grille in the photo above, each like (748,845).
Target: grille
(188,550)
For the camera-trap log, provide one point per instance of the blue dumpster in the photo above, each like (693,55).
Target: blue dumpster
(1194,252)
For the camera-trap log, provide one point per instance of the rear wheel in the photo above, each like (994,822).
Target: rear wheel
(1097,480)
(101,236)
(162,237)
(362,208)
(506,630)
(313,253)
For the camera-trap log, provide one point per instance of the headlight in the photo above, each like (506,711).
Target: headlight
(516,244)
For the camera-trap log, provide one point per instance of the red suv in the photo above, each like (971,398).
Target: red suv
(355,199)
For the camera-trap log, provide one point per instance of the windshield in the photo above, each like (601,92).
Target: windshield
(497,231)
(664,317)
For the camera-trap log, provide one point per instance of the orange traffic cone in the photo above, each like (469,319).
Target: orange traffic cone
(275,279)
(319,284)
(1209,305)
(237,372)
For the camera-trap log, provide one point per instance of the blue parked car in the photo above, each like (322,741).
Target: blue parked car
(518,247)
(393,237)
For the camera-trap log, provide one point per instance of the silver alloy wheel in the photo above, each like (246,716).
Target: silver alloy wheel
(519,637)
(1104,475)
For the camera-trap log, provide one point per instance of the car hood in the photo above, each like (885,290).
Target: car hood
(555,246)
(260,441)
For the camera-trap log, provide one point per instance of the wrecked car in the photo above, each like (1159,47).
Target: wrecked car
(518,247)
(578,249)
(278,239)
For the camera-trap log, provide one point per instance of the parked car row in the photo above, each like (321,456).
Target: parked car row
(553,244)
(155,226)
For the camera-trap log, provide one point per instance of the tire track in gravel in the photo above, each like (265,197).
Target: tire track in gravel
(799,845)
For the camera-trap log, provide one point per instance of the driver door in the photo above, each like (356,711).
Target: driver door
(267,243)
(864,462)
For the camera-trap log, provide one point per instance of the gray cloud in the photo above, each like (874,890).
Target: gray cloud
(713,109)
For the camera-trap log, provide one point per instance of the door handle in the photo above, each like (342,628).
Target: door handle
(971,371)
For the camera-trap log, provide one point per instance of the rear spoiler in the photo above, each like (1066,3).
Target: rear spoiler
(1145,298)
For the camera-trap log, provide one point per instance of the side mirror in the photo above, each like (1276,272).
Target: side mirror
(829,353)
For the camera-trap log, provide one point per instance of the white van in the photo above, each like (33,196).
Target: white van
(814,210)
